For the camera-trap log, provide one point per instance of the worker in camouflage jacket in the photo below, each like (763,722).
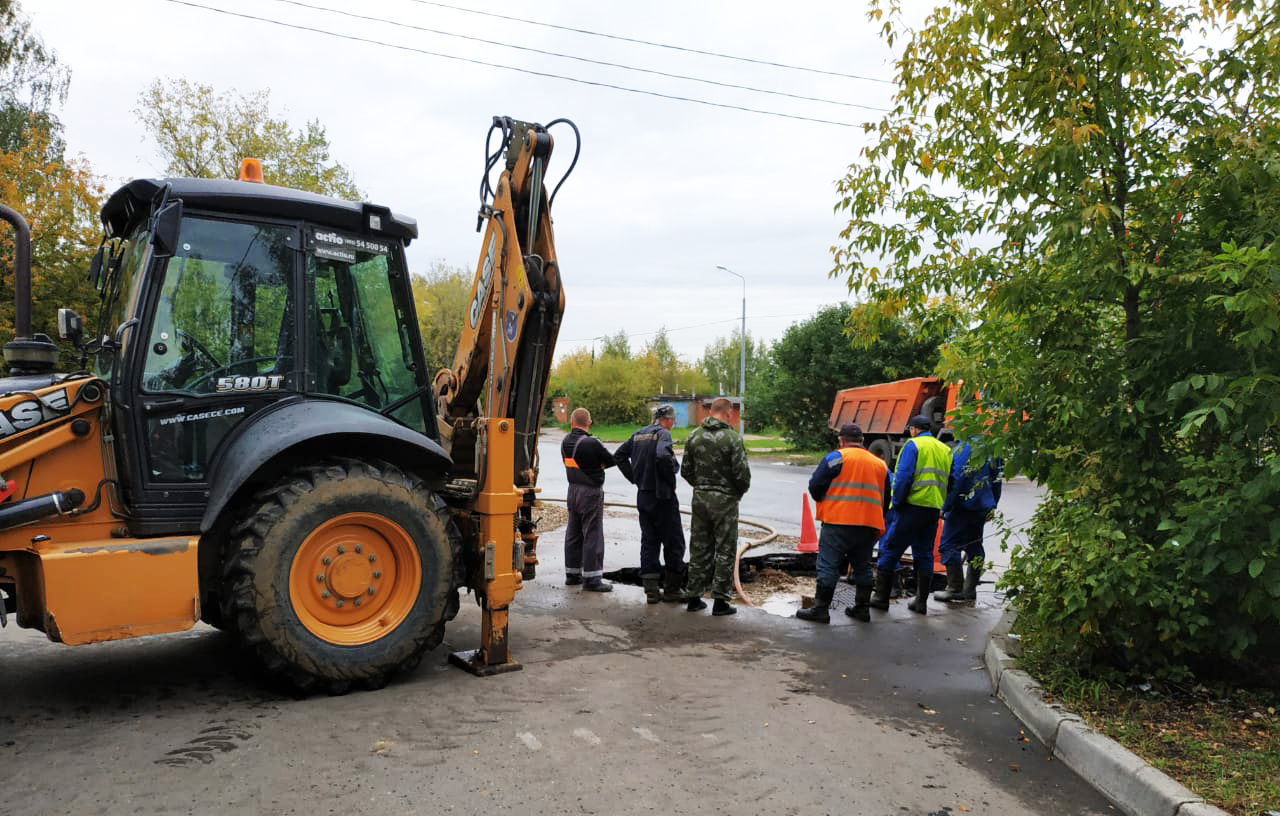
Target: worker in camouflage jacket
(715,463)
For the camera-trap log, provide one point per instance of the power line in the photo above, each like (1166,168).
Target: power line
(654,44)
(695,326)
(443,33)
(509,67)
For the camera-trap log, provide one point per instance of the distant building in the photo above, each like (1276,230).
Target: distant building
(692,409)
(560,407)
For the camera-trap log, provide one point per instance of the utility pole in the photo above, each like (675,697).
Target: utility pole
(742,361)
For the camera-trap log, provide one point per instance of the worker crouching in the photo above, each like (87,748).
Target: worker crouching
(851,487)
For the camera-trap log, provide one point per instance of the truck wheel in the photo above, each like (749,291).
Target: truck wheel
(883,449)
(340,575)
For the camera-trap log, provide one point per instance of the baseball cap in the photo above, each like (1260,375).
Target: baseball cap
(920,421)
(850,430)
(664,411)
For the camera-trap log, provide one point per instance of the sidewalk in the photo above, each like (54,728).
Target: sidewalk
(1116,772)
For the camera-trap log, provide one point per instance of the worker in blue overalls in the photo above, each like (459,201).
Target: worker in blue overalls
(919,489)
(971,498)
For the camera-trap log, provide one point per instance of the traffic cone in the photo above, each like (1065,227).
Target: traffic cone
(808,534)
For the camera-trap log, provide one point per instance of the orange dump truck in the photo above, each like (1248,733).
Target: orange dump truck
(883,410)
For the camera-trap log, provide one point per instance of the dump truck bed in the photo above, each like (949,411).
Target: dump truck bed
(884,408)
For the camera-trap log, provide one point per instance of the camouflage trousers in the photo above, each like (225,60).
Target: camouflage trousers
(713,544)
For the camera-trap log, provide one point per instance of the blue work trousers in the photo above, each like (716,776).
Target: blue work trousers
(915,528)
(660,532)
(962,532)
(841,546)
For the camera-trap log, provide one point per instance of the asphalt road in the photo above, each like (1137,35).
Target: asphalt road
(621,707)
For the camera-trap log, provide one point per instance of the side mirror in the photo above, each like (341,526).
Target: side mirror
(70,326)
(95,266)
(165,228)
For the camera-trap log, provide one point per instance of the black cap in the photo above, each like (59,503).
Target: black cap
(850,430)
(664,411)
(920,421)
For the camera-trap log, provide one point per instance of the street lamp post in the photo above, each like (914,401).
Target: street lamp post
(742,361)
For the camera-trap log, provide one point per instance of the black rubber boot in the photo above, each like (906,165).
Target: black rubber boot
(971,576)
(880,600)
(861,609)
(652,593)
(673,585)
(596,585)
(696,605)
(723,608)
(924,583)
(955,584)
(820,612)
(572,580)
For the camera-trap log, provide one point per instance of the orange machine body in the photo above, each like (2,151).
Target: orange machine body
(78,576)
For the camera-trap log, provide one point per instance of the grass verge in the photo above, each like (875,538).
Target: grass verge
(1221,742)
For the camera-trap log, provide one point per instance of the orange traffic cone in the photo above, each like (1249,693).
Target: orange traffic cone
(808,534)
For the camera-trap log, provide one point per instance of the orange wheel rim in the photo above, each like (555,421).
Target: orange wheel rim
(355,579)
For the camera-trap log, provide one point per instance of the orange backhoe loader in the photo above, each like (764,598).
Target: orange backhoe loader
(254,439)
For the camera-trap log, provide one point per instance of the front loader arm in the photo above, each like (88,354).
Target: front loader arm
(504,356)
(489,402)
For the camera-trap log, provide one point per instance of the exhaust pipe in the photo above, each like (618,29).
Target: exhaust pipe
(25,354)
(51,504)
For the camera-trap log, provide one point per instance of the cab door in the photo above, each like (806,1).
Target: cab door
(220,346)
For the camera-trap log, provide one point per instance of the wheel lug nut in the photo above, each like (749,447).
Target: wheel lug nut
(325,594)
(373,558)
(320,578)
(339,603)
(341,549)
(325,560)
(359,548)
(356,602)
(377,574)
(370,590)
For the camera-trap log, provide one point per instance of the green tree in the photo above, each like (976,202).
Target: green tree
(673,374)
(32,83)
(441,296)
(60,200)
(1101,195)
(817,357)
(612,387)
(721,362)
(617,345)
(204,134)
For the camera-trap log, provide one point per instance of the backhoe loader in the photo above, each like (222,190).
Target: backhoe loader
(253,437)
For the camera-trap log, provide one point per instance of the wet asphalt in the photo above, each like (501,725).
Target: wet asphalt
(621,707)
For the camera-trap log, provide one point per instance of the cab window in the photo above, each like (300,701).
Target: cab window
(360,346)
(224,321)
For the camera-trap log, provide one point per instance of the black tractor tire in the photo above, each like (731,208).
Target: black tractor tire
(334,528)
(882,448)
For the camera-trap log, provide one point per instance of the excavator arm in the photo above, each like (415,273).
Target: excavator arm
(490,400)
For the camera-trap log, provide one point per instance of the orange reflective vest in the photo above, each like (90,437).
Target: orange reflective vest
(856,495)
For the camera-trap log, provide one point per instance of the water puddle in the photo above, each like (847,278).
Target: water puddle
(782,604)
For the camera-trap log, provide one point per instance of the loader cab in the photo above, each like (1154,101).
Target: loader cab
(249,295)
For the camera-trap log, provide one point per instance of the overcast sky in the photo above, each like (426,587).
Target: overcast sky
(664,191)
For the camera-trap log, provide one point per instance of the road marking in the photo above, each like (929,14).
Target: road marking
(586,736)
(711,737)
(530,741)
(645,733)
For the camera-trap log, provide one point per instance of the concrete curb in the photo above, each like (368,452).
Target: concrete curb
(1116,772)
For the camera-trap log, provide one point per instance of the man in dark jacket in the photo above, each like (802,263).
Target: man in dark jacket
(585,460)
(715,463)
(972,496)
(649,462)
